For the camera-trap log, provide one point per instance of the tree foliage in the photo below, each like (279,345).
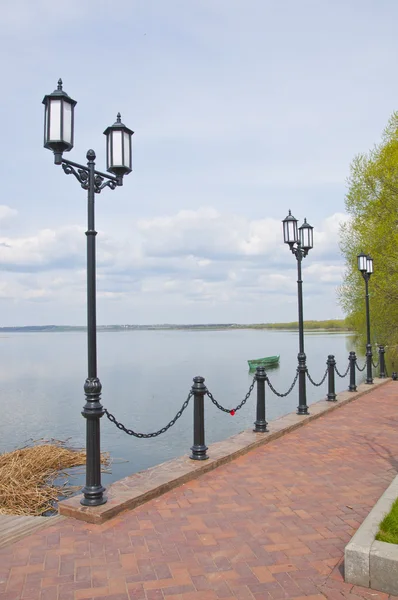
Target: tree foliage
(372,205)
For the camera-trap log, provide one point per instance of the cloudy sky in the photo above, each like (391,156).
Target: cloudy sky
(242,110)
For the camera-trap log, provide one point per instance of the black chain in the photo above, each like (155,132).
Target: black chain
(375,365)
(338,372)
(288,391)
(232,410)
(322,380)
(155,433)
(359,369)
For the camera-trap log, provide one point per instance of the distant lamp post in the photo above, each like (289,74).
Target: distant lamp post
(300,241)
(365,266)
(58,137)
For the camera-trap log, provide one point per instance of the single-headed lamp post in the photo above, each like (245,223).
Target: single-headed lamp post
(365,265)
(58,137)
(300,240)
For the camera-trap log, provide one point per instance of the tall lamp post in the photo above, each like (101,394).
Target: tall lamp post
(58,137)
(300,240)
(365,265)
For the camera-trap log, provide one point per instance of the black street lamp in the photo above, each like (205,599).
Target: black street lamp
(365,265)
(58,137)
(300,240)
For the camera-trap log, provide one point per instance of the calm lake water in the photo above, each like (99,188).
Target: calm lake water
(146,376)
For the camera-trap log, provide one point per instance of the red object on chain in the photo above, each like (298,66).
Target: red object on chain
(232,412)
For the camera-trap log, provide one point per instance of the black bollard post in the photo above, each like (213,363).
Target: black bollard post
(331,363)
(353,361)
(382,373)
(199,448)
(260,424)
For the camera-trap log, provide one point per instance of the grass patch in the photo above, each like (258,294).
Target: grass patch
(388,528)
(28,476)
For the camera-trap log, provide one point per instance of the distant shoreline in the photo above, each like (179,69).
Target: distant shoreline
(330,325)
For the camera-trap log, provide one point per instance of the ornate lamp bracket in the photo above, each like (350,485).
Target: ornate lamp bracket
(101,180)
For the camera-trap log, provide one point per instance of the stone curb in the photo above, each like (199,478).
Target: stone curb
(370,563)
(132,491)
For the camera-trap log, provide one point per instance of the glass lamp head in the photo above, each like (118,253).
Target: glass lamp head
(58,121)
(118,148)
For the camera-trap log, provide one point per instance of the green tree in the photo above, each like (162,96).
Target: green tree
(372,205)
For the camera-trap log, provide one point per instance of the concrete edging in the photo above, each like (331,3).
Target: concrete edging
(370,563)
(136,489)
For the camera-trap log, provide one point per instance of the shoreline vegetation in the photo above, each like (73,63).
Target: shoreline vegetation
(33,478)
(328,325)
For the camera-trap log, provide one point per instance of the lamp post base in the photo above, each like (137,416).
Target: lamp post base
(369,376)
(199,453)
(93,496)
(260,427)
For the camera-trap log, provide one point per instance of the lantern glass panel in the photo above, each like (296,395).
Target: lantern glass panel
(303,237)
(285,231)
(369,265)
(127,155)
(108,150)
(290,231)
(117,152)
(306,236)
(46,111)
(292,227)
(362,262)
(67,129)
(55,121)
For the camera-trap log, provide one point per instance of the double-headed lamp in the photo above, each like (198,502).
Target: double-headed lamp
(365,263)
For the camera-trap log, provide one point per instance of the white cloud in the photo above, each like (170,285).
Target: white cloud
(248,109)
(6,214)
(326,237)
(203,258)
(206,233)
(49,248)
(323,273)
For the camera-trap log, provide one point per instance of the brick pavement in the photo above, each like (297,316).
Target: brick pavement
(271,524)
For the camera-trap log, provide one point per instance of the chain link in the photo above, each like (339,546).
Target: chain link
(375,365)
(155,433)
(288,391)
(322,380)
(232,410)
(359,369)
(338,372)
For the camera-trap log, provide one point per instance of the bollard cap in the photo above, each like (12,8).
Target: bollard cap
(198,386)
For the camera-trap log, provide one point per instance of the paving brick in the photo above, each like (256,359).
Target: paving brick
(271,524)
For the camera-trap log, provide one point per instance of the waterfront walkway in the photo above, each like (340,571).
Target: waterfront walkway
(271,524)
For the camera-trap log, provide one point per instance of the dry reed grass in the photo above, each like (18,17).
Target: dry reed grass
(27,476)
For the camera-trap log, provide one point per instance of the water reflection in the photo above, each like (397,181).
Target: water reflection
(146,376)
